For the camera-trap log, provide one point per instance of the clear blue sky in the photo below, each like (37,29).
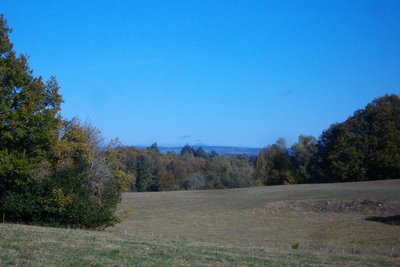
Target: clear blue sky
(237,73)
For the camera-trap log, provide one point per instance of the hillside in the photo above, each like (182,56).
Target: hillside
(345,224)
(265,216)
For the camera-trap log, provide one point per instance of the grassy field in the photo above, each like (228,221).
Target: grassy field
(350,224)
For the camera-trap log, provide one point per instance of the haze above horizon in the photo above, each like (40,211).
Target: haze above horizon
(229,73)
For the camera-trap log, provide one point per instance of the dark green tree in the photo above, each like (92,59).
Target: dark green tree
(342,151)
(364,147)
(29,118)
(143,173)
(200,153)
(51,172)
(187,151)
(154,147)
(381,125)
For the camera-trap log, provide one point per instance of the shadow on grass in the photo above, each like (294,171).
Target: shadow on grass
(392,220)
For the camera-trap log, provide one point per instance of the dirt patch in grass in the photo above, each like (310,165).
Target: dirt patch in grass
(391,220)
(366,206)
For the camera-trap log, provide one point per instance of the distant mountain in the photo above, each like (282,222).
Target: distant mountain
(221,150)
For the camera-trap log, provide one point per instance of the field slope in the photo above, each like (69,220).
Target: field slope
(346,224)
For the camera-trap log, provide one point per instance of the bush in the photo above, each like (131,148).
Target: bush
(296,245)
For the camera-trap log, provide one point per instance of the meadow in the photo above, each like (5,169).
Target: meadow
(343,224)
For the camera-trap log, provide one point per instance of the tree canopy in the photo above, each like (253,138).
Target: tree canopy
(52,171)
(366,146)
(29,116)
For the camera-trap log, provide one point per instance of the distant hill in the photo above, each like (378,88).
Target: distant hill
(221,150)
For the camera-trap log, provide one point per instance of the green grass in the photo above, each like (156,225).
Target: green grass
(241,227)
(40,246)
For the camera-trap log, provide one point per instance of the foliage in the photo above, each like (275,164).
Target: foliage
(29,117)
(200,153)
(192,169)
(187,151)
(274,165)
(154,147)
(364,147)
(51,171)
(89,172)
(304,158)
(228,172)
(82,189)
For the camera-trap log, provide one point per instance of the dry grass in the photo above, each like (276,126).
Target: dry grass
(266,226)
(265,217)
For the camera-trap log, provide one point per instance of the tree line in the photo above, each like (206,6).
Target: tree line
(191,169)
(364,147)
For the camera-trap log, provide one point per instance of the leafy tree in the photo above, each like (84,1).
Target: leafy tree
(200,153)
(341,150)
(228,172)
(86,171)
(176,172)
(125,176)
(366,146)
(51,172)
(274,165)
(187,151)
(29,119)
(197,181)
(143,174)
(154,147)
(304,152)
(382,133)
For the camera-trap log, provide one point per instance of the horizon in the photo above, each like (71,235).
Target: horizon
(191,145)
(218,73)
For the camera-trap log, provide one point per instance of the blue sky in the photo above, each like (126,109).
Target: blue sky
(239,73)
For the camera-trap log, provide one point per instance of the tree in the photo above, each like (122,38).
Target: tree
(273,165)
(304,152)
(187,151)
(341,151)
(154,147)
(366,146)
(143,173)
(228,172)
(200,153)
(29,118)
(87,174)
(382,132)
(124,174)
(51,171)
